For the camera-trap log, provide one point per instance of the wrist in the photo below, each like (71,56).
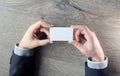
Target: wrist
(97,65)
(21,45)
(98,59)
(22,51)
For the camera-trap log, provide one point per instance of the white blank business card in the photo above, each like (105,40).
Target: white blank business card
(61,34)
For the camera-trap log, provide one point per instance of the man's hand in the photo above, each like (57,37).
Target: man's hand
(91,47)
(31,38)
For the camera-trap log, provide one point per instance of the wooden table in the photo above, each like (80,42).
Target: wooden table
(60,59)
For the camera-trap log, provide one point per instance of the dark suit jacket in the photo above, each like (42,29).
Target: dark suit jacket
(24,66)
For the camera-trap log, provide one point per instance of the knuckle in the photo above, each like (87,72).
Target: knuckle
(93,33)
(41,21)
(84,27)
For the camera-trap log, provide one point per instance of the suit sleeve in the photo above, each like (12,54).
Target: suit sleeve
(96,72)
(21,65)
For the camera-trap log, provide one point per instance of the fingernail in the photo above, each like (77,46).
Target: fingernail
(51,25)
(72,26)
(69,42)
(51,42)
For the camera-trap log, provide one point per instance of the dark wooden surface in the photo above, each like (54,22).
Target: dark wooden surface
(60,59)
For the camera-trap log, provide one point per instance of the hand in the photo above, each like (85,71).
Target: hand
(31,38)
(91,47)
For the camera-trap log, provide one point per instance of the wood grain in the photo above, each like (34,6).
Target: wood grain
(60,59)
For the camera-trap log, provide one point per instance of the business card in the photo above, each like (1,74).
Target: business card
(61,34)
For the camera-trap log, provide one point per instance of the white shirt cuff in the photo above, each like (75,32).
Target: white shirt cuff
(97,65)
(22,51)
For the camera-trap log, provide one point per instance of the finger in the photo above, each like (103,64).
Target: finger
(87,33)
(79,28)
(43,24)
(77,44)
(77,35)
(76,27)
(45,31)
(51,42)
(39,24)
(82,31)
(43,42)
(87,29)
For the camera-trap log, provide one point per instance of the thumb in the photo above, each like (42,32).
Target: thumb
(43,42)
(77,44)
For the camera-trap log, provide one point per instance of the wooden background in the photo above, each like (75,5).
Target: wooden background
(60,59)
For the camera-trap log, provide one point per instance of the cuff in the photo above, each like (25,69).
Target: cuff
(97,65)
(22,51)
